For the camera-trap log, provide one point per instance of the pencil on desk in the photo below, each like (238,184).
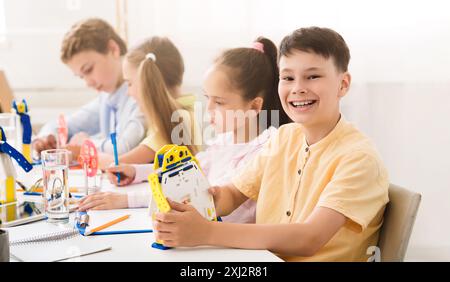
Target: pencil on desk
(71,190)
(40,194)
(22,186)
(106,225)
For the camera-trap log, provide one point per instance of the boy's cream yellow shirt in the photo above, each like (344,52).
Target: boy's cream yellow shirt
(343,172)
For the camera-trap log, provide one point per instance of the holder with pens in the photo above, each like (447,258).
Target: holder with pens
(8,184)
(177,175)
(88,159)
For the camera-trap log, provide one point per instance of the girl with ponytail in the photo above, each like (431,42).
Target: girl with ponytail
(154,72)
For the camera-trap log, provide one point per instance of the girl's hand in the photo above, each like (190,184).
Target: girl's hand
(74,152)
(103,201)
(227,198)
(127,174)
(182,226)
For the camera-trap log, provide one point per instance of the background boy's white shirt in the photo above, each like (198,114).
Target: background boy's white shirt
(96,119)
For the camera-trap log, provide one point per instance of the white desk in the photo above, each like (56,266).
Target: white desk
(137,247)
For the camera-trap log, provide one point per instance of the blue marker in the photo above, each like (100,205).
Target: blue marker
(32,193)
(116,156)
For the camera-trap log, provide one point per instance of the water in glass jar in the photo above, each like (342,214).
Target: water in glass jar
(56,193)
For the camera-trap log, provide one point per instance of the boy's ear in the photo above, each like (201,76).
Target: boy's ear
(345,84)
(114,48)
(257,104)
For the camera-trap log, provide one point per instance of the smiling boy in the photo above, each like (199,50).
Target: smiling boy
(320,186)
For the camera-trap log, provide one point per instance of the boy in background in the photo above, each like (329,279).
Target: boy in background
(94,52)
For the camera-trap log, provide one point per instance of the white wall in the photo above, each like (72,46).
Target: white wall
(34,32)
(400,58)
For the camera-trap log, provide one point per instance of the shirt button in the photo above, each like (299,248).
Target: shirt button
(288,213)
(307,149)
(299,172)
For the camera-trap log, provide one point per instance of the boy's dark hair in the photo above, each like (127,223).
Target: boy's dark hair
(321,41)
(256,74)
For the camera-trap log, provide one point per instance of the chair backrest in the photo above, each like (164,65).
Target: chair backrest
(398,223)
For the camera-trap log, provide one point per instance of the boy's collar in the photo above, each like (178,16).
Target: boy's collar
(115,97)
(332,136)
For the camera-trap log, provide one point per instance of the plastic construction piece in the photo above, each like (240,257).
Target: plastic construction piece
(171,155)
(22,110)
(13,153)
(6,153)
(160,246)
(161,203)
(158,196)
(178,176)
(10,186)
(63,131)
(88,158)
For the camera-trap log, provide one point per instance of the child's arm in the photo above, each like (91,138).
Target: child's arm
(226,199)
(103,201)
(139,155)
(299,239)
(184,226)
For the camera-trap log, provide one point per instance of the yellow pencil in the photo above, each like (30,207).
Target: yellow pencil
(106,225)
(71,190)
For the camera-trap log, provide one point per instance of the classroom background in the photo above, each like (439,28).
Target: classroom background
(400,57)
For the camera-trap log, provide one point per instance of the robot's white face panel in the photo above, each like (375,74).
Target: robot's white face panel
(187,184)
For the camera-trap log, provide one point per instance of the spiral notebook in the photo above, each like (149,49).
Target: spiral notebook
(51,243)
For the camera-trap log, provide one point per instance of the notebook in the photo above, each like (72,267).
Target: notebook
(50,243)
(139,222)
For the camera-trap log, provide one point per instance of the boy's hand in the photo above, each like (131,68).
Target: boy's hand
(74,150)
(227,198)
(78,138)
(182,226)
(127,174)
(103,201)
(45,143)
